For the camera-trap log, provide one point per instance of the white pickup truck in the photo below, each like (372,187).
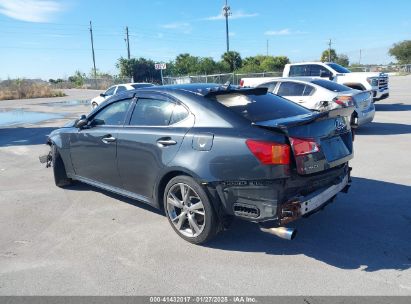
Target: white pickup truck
(365,81)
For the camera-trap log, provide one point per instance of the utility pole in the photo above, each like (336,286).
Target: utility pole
(94,57)
(226,13)
(128,43)
(359,62)
(329,50)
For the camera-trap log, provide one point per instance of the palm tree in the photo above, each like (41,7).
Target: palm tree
(233,59)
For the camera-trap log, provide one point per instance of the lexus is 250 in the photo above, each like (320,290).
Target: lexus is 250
(206,153)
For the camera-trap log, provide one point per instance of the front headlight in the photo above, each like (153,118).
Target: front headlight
(372,81)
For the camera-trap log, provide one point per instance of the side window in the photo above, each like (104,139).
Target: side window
(152,112)
(110,91)
(114,114)
(121,89)
(308,90)
(291,89)
(315,70)
(270,86)
(299,70)
(179,113)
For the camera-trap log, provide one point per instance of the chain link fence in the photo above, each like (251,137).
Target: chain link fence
(401,69)
(90,83)
(233,78)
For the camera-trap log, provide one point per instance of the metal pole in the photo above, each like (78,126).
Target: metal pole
(226,13)
(329,51)
(161,73)
(94,57)
(128,43)
(359,62)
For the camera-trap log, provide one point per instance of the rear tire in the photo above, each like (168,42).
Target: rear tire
(189,210)
(60,175)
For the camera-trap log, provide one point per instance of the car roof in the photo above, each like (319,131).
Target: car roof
(310,62)
(295,79)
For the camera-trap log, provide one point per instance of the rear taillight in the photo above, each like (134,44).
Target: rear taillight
(344,101)
(269,153)
(303,146)
(241,83)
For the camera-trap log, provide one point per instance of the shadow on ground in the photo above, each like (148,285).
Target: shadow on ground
(381,128)
(77,186)
(24,136)
(368,228)
(392,107)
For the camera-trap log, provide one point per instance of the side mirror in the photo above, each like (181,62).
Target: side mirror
(326,74)
(102,95)
(81,122)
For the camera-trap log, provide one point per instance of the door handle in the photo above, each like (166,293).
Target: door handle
(166,141)
(108,139)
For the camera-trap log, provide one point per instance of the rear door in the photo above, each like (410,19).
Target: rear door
(297,92)
(150,141)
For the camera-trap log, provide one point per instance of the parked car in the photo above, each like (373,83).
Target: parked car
(206,153)
(116,89)
(375,82)
(324,95)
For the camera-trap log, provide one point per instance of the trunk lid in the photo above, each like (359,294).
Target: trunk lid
(319,141)
(363,100)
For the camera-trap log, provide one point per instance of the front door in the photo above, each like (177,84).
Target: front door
(94,149)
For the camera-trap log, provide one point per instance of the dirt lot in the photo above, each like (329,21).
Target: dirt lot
(83,241)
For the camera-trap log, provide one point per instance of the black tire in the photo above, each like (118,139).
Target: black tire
(60,176)
(210,222)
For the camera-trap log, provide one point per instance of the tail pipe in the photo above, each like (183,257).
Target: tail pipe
(282,232)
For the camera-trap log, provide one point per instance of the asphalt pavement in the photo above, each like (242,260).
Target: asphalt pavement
(84,241)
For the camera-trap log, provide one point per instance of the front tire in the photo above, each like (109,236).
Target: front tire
(60,175)
(189,210)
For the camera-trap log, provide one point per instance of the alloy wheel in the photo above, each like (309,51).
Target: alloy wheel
(185,210)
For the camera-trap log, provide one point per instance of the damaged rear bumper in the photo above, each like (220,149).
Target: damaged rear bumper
(278,202)
(307,205)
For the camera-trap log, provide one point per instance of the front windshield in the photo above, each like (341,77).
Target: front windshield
(338,68)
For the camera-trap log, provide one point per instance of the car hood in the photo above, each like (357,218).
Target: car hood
(364,74)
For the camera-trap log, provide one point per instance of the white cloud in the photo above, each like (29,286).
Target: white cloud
(184,27)
(283,32)
(278,33)
(235,15)
(30,10)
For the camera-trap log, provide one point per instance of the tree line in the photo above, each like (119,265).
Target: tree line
(143,70)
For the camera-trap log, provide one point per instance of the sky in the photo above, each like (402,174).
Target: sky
(51,39)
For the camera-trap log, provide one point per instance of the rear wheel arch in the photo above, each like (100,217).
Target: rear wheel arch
(161,185)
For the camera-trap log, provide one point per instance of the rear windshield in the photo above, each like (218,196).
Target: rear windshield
(329,85)
(141,85)
(338,68)
(261,107)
